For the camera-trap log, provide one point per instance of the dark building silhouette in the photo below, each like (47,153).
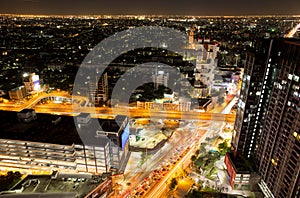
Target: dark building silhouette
(261,66)
(278,150)
(267,126)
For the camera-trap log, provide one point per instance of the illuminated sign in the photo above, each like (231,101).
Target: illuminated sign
(36,85)
(35,78)
(125,136)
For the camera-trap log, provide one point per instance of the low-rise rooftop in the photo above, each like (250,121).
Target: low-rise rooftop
(43,129)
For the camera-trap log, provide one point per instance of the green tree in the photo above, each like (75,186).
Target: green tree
(8,180)
(223,147)
(193,158)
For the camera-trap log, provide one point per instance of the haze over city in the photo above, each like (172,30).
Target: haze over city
(135,7)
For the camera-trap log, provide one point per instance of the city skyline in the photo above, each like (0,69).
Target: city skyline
(115,7)
(149,105)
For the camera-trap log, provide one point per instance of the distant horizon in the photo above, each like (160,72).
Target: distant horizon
(154,15)
(153,7)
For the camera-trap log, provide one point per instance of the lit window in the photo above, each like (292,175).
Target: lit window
(284,82)
(295,87)
(274,162)
(290,76)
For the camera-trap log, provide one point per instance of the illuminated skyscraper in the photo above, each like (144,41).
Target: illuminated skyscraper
(99,90)
(268,116)
(260,70)
(278,151)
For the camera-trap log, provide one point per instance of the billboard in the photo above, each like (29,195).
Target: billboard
(125,136)
(36,82)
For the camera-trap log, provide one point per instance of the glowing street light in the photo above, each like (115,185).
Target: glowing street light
(25,75)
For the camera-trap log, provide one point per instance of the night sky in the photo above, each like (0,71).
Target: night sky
(179,7)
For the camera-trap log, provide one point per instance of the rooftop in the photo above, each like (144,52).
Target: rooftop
(45,186)
(240,164)
(44,130)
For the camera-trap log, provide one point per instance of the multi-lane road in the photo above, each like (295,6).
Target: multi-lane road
(135,113)
(79,106)
(161,187)
(64,109)
(32,103)
(61,109)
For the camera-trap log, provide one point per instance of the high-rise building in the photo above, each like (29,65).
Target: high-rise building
(260,69)
(160,78)
(191,36)
(99,90)
(278,151)
(268,116)
(204,76)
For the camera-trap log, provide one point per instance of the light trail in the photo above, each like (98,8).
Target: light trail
(161,186)
(293,31)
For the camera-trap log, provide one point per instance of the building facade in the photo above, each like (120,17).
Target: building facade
(160,78)
(98,89)
(268,116)
(239,175)
(261,66)
(278,151)
(49,143)
(17,93)
(31,82)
